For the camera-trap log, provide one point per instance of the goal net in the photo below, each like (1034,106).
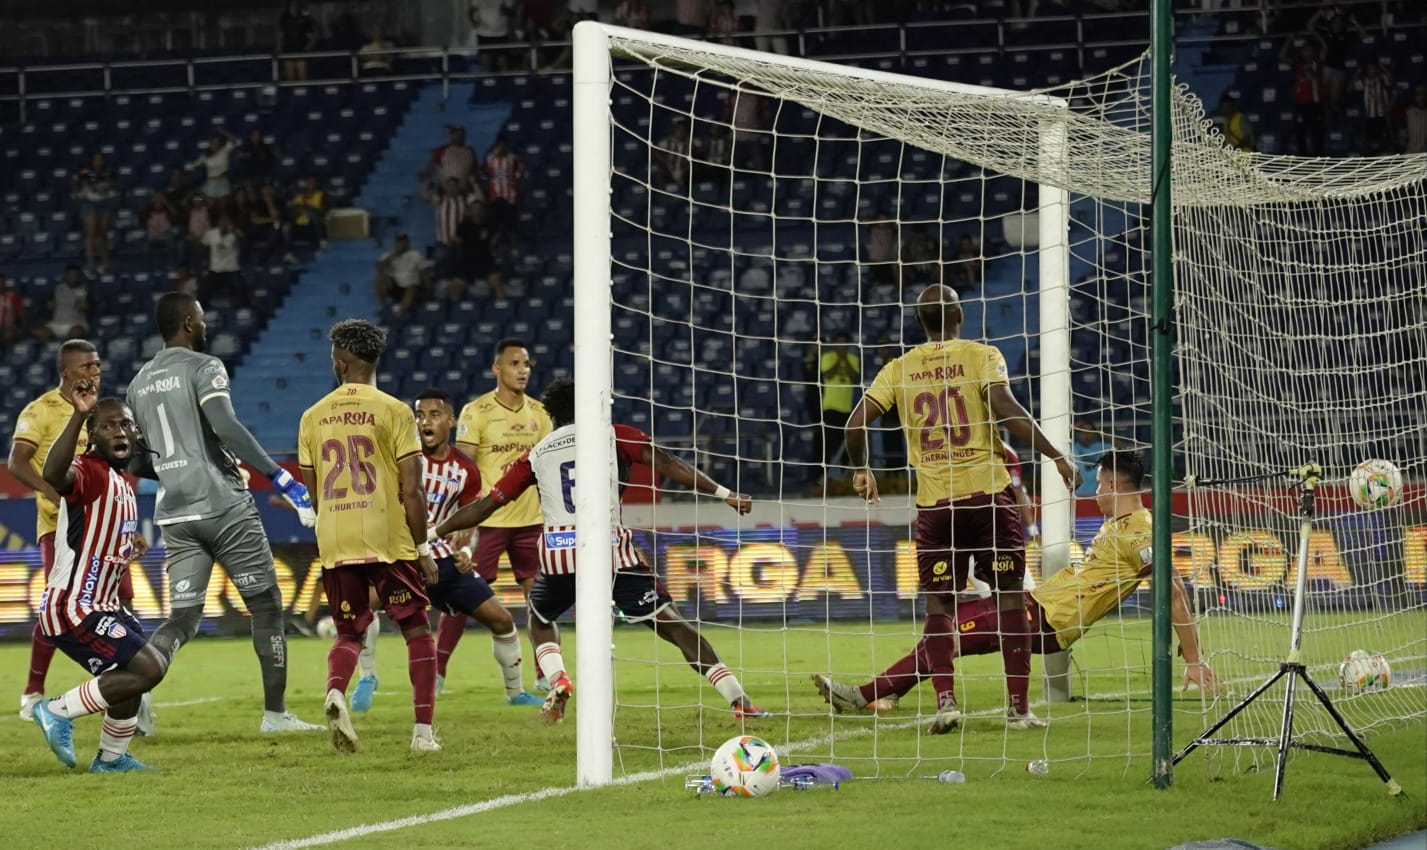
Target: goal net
(750,232)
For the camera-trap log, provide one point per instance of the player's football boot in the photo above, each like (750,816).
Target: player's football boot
(887,703)
(123,764)
(947,718)
(339,722)
(27,706)
(524,698)
(744,709)
(148,723)
(542,685)
(58,732)
(560,691)
(1023,722)
(362,696)
(840,695)
(287,722)
(424,743)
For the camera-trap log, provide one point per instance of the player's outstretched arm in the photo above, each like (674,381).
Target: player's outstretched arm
(59,470)
(1196,669)
(1019,423)
(511,485)
(218,410)
(682,472)
(855,441)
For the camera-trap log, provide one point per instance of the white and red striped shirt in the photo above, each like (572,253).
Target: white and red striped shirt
(450,485)
(456,161)
(93,543)
(450,212)
(503,173)
(550,465)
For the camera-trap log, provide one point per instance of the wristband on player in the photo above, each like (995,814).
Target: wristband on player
(722,492)
(431,535)
(423,550)
(467,551)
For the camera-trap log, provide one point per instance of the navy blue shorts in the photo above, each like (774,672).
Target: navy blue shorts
(456,592)
(104,639)
(637,594)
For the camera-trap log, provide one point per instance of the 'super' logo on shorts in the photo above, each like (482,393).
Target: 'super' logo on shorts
(560,540)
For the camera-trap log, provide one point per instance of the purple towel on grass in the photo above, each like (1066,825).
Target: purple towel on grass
(824,773)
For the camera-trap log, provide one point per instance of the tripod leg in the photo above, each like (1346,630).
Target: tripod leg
(1392,787)
(1223,721)
(1285,736)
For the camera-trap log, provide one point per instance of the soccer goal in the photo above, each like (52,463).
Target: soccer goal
(740,217)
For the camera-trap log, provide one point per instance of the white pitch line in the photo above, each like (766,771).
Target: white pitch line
(179,704)
(548,793)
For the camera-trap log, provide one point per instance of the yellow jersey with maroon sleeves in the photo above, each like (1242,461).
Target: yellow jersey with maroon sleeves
(39,425)
(1119,558)
(353,440)
(941,390)
(497,436)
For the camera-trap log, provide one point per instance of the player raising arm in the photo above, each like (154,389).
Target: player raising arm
(192,444)
(360,443)
(637,593)
(952,394)
(451,481)
(1067,604)
(80,611)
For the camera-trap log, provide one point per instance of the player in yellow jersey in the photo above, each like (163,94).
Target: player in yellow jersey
(495,430)
(360,445)
(1062,608)
(952,395)
(39,424)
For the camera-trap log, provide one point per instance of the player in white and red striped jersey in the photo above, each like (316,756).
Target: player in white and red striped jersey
(452,480)
(638,593)
(80,611)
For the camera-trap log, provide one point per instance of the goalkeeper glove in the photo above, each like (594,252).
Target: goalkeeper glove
(296,495)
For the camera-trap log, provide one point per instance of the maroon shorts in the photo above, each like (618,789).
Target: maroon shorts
(522,543)
(978,627)
(399,587)
(982,529)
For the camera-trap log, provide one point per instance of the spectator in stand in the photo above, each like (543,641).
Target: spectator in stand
(453,159)
(451,206)
(165,240)
(215,161)
(691,17)
(1090,445)
(492,25)
(633,14)
(225,275)
(712,152)
(967,267)
(178,189)
(255,160)
(13,321)
(240,209)
(1379,99)
(840,373)
(1308,93)
(474,257)
(921,257)
(200,221)
(880,253)
(1238,132)
(771,16)
(405,272)
(376,57)
(1340,34)
(266,232)
(748,113)
(69,308)
(309,214)
(94,187)
(504,171)
(184,281)
(1417,122)
(671,159)
(723,23)
(296,33)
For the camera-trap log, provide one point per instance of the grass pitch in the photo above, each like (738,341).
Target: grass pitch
(222,784)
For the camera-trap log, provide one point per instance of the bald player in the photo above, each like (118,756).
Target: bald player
(952,394)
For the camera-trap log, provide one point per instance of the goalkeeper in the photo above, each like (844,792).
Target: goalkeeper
(1066,605)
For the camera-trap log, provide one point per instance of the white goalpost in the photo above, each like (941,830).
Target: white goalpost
(739,214)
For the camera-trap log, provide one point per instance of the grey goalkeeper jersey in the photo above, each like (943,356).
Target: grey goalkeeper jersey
(198,476)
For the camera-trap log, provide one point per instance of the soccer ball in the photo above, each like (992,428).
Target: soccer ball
(1376,484)
(326,628)
(1364,671)
(745,766)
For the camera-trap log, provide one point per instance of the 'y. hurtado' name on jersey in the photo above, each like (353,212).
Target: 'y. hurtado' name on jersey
(162,385)
(949,372)
(349,417)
